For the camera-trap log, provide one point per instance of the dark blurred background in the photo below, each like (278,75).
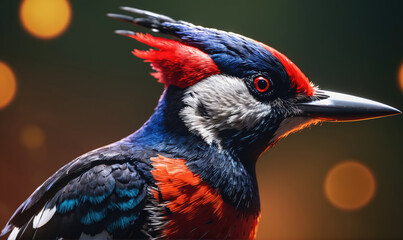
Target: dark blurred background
(84,89)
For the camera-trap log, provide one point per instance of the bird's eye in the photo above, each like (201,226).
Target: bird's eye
(261,84)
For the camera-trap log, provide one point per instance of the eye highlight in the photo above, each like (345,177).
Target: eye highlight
(261,84)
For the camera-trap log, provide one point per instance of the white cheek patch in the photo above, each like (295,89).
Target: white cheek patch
(43,217)
(218,103)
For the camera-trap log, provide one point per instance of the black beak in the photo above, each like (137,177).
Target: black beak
(339,107)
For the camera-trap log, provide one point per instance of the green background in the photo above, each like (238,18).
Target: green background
(85,89)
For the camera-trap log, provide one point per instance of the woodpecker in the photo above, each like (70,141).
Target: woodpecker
(189,171)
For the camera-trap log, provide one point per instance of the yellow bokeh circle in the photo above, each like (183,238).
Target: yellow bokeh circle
(45,19)
(350,185)
(8,85)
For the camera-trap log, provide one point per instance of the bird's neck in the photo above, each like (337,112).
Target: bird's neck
(166,134)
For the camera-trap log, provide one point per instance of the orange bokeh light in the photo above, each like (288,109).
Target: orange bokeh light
(32,137)
(8,85)
(350,185)
(400,76)
(45,19)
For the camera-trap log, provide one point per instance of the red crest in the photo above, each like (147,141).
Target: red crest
(176,63)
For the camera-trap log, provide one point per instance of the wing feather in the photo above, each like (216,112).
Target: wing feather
(102,191)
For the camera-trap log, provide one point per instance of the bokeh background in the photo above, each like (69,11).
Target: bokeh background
(83,89)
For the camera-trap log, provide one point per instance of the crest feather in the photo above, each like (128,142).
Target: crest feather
(176,63)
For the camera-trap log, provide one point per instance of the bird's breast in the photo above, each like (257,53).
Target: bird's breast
(193,208)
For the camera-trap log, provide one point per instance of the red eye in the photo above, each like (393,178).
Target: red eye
(262,84)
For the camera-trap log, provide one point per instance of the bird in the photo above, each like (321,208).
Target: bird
(189,171)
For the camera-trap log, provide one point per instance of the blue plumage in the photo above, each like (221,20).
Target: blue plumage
(127,193)
(67,205)
(234,54)
(94,216)
(122,223)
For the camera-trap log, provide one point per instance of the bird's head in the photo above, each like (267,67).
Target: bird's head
(235,92)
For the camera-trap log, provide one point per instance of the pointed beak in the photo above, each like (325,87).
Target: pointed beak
(339,107)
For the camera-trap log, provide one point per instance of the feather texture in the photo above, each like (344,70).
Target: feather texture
(196,209)
(176,63)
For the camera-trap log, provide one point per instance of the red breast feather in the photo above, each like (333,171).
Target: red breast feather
(196,209)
